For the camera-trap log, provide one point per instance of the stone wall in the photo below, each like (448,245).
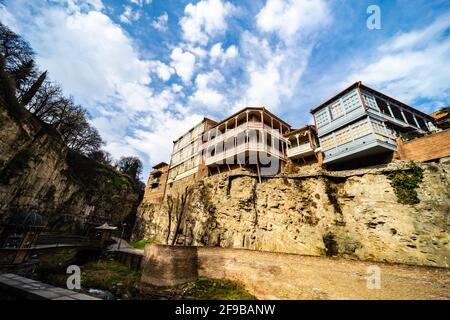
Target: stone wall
(269,275)
(430,147)
(352,214)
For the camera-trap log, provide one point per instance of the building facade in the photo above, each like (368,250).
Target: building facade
(156,184)
(302,144)
(250,138)
(362,122)
(186,155)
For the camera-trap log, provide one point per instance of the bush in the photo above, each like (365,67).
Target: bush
(405,183)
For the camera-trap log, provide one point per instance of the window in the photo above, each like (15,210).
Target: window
(322,117)
(327,142)
(343,136)
(381,129)
(361,128)
(370,101)
(351,101)
(336,110)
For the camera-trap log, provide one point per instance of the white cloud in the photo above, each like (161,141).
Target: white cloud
(418,38)
(411,65)
(217,53)
(288,18)
(160,23)
(158,142)
(206,94)
(129,16)
(205,19)
(183,62)
(163,71)
(140,2)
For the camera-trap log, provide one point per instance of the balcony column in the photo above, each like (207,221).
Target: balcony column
(225,141)
(390,110)
(403,115)
(415,121)
(298,141)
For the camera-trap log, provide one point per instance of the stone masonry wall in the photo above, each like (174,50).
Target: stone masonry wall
(269,275)
(430,147)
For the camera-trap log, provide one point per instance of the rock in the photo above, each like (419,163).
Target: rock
(294,214)
(38,171)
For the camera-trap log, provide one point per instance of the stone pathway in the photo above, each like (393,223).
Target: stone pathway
(16,287)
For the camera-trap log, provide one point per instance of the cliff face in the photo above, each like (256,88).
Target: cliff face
(353,214)
(38,172)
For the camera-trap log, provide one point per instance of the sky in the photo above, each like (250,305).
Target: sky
(149,70)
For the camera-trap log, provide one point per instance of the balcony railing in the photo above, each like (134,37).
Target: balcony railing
(241,128)
(249,146)
(302,149)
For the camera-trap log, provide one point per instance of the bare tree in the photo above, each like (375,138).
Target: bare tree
(177,208)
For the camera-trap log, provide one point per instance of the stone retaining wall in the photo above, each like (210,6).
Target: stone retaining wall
(270,275)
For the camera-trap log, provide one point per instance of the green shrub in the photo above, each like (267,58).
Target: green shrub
(405,183)
(140,244)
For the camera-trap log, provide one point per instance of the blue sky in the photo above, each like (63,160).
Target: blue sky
(148,70)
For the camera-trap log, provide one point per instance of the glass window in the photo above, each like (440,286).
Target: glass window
(336,110)
(327,142)
(322,117)
(370,101)
(351,101)
(361,128)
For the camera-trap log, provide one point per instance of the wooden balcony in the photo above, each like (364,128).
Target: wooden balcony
(300,151)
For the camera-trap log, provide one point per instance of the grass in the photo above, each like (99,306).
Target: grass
(117,278)
(114,277)
(52,268)
(210,289)
(140,244)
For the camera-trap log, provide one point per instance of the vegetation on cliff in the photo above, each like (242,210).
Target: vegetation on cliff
(51,156)
(405,184)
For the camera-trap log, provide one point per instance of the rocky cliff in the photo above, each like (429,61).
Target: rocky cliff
(38,172)
(382,214)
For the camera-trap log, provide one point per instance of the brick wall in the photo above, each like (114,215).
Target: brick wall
(270,275)
(430,147)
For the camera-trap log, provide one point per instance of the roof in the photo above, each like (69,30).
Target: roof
(373,91)
(253,108)
(160,165)
(26,220)
(299,130)
(205,119)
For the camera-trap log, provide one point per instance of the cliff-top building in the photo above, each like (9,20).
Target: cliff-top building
(251,138)
(302,145)
(186,156)
(358,126)
(360,122)
(156,184)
